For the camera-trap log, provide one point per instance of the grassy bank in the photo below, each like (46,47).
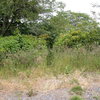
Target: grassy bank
(64,61)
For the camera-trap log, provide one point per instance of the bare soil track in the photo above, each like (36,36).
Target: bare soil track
(57,89)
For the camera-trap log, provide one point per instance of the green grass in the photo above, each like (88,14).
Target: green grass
(76,98)
(77,90)
(64,61)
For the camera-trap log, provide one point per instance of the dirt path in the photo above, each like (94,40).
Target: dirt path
(56,89)
(59,94)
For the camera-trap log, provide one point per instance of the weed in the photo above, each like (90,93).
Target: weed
(76,98)
(68,69)
(77,90)
(64,62)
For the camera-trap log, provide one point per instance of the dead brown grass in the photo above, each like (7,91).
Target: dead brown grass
(47,83)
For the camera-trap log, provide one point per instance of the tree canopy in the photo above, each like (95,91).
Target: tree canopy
(17,13)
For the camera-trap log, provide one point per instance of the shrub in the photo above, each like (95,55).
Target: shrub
(76,98)
(21,42)
(77,90)
(76,39)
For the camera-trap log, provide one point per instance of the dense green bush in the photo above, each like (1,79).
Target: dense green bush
(20,51)
(13,44)
(77,39)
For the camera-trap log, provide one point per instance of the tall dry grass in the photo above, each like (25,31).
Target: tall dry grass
(64,61)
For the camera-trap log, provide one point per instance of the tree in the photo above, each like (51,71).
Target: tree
(17,13)
(12,12)
(96,14)
(80,29)
(79,21)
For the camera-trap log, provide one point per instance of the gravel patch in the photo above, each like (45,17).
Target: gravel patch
(92,93)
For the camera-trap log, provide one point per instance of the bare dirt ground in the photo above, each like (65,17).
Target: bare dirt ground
(51,88)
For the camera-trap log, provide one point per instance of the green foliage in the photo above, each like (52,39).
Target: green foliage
(77,90)
(68,69)
(79,21)
(76,98)
(12,11)
(50,58)
(13,44)
(68,60)
(77,39)
(20,13)
(78,30)
(35,17)
(65,61)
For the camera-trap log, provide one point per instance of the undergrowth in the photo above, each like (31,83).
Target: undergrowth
(65,61)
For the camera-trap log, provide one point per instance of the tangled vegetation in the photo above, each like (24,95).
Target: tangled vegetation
(32,36)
